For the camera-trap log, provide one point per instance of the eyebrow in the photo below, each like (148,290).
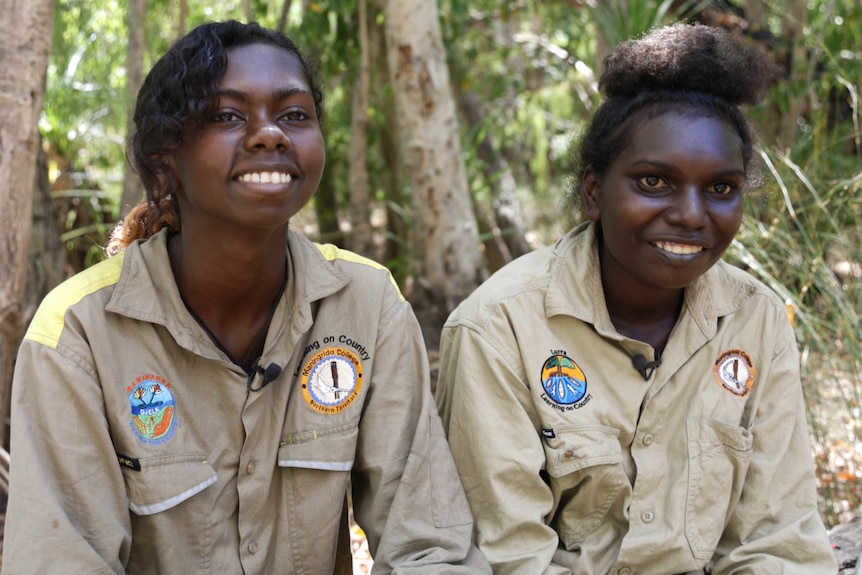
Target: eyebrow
(658,164)
(279,94)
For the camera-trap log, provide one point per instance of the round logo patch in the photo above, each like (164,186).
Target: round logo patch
(563,380)
(332,380)
(153,411)
(735,372)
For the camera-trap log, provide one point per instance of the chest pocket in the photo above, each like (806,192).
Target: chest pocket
(172,503)
(584,463)
(718,458)
(329,449)
(164,482)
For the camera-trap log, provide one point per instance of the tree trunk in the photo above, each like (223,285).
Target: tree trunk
(793,23)
(399,233)
(47,265)
(133,190)
(446,237)
(282,17)
(360,195)
(181,19)
(504,235)
(25,45)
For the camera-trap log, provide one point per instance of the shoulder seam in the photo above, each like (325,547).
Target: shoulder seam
(332,252)
(48,323)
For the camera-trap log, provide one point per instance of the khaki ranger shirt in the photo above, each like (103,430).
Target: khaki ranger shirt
(574,464)
(137,446)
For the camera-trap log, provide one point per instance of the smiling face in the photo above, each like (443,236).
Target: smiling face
(671,203)
(259,156)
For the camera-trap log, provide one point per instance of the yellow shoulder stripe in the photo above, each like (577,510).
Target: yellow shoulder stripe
(47,324)
(331,253)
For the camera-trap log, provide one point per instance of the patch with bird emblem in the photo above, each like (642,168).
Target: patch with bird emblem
(331,380)
(735,372)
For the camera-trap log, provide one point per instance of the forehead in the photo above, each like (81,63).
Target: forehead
(675,134)
(263,64)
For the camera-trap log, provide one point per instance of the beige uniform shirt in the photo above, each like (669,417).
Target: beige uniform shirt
(137,446)
(573,463)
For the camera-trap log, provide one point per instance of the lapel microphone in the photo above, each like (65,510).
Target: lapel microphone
(270,373)
(644,367)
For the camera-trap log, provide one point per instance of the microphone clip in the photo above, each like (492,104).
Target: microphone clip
(270,373)
(644,367)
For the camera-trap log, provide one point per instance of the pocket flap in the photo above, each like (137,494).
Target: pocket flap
(576,447)
(165,482)
(331,449)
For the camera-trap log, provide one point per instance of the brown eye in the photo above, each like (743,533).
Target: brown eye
(223,117)
(723,189)
(654,182)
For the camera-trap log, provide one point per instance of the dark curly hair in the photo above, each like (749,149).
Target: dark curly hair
(177,94)
(684,68)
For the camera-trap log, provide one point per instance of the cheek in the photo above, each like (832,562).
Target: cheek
(729,218)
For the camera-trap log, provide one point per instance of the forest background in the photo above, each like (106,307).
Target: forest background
(449,125)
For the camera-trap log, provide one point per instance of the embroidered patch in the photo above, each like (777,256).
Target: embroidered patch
(153,410)
(331,380)
(735,372)
(563,380)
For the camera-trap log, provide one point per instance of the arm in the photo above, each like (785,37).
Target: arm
(494,435)
(406,492)
(775,527)
(67,503)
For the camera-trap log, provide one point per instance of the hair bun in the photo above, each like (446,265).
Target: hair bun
(689,57)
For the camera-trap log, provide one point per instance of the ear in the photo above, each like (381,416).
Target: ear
(591,186)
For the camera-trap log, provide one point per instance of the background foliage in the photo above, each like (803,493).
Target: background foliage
(525,74)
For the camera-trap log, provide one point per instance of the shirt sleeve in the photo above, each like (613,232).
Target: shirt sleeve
(406,493)
(776,527)
(494,434)
(67,501)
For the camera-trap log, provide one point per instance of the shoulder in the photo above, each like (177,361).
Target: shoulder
(79,290)
(741,289)
(749,305)
(525,279)
(326,270)
(356,264)
(531,284)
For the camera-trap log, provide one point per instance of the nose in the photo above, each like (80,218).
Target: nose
(266,134)
(689,208)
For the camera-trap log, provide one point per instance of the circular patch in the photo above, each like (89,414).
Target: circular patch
(153,411)
(563,380)
(331,380)
(735,372)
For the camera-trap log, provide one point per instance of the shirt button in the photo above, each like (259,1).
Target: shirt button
(624,571)
(250,467)
(647,439)
(252,547)
(647,516)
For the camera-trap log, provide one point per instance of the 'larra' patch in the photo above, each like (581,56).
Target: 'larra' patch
(735,372)
(332,380)
(563,380)
(153,410)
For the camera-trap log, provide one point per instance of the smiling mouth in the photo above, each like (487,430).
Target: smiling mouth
(679,249)
(265,178)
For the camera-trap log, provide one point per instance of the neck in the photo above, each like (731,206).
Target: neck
(233,299)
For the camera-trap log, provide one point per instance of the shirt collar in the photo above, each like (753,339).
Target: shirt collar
(576,287)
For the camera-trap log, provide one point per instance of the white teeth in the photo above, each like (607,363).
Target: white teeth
(266,178)
(679,249)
